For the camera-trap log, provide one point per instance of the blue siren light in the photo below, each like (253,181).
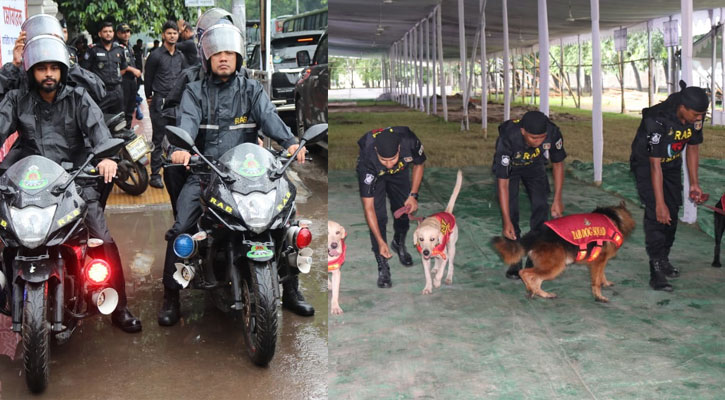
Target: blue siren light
(184,246)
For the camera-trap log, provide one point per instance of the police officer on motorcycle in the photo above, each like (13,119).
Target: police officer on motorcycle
(220,112)
(55,120)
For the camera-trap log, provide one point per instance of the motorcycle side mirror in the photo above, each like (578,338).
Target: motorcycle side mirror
(179,138)
(109,148)
(315,133)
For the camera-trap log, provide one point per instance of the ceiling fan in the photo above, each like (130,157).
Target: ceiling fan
(571,18)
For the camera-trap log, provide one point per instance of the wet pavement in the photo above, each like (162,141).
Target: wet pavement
(203,356)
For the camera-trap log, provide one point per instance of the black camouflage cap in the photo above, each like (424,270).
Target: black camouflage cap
(387,142)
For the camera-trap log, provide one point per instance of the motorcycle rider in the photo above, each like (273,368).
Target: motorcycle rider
(55,120)
(239,106)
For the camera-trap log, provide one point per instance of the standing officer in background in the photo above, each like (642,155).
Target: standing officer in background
(522,148)
(382,170)
(666,130)
(128,84)
(162,68)
(107,60)
(186,44)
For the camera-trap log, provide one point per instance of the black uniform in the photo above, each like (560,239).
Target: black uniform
(516,161)
(239,108)
(188,47)
(63,131)
(661,135)
(107,64)
(129,86)
(12,77)
(374,180)
(162,69)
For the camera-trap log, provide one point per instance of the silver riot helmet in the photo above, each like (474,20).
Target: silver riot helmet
(45,48)
(211,17)
(42,24)
(221,37)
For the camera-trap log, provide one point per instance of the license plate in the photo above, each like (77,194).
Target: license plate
(137,148)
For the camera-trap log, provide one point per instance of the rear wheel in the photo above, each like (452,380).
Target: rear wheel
(135,178)
(259,314)
(36,337)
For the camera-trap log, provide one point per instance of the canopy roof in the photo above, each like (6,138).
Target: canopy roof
(353,23)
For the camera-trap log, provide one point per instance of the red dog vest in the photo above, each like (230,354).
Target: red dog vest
(337,263)
(447,221)
(582,229)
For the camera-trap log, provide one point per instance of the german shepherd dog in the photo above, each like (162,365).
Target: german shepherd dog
(719,227)
(551,253)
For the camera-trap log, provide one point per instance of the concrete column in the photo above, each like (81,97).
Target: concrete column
(544,56)
(427,66)
(435,63)
(421,56)
(712,70)
(484,71)
(689,209)
(440,60)
(650,65)
(506,63)
(597,125)
(462,50)
(578,73)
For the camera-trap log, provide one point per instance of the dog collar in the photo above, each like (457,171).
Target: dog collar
(337,263)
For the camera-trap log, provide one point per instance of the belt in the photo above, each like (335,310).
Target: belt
(228,128)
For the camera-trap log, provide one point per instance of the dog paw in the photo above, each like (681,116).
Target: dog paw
(436,283)
(547,295)
(607,284)
(427,290)
(336,310)
(602,299)
(449,281)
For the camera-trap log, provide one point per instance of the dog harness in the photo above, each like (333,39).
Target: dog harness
(447,221)
(337,263)
(582,229)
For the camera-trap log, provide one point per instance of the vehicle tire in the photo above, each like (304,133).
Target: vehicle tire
(222,298)
(259,315)
(36,337)
(136,179)
(300,118)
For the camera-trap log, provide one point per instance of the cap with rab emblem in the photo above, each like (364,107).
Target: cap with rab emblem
(123,28)
(387,142)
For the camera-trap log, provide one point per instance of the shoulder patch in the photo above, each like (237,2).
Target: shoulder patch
(369,179)
(655,138)
(505,160)
(546,146)
(420,151)
(698,124)
(559,144)
(408,159)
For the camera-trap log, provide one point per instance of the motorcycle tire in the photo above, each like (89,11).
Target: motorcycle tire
(259,314)
(222,298)
(36,337)
(137,179)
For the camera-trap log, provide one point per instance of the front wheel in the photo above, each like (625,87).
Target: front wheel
(134,179)
(36,337)
(259,314)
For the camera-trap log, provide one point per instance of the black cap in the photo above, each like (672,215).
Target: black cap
(387,142)
(534,122)
(694,97)
(123,27)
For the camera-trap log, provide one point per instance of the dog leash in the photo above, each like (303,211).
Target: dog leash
(406,210)
(705,197)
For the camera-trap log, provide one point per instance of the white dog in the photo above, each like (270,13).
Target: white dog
(436,237)
(336,250)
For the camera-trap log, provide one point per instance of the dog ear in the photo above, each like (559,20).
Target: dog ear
(623,204)
(344,232)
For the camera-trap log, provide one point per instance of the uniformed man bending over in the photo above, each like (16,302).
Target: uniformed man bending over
(383,171)
(666,130)
(522,148)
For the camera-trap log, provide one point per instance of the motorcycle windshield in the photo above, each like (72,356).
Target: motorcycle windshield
(35,173)
(252,163)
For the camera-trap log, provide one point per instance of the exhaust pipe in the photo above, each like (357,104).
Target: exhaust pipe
(105,300)
(302,260)
(184,274)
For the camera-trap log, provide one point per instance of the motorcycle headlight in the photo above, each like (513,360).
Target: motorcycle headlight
(32,224)
(257,209)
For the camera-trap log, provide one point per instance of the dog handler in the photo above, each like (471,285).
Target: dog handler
(522,148)
(666,130)
(383,170)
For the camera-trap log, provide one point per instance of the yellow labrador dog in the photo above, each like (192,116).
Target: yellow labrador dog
(436,237)
(336,250)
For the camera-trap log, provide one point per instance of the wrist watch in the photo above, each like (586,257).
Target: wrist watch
(413,195)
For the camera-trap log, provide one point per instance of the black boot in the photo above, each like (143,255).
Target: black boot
(657,279)
(513,271)
(670,270)
(384,280)
(123,319)
(398,246)
(293,300)
(171,309)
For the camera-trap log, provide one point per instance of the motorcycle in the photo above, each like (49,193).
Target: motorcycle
(247,234)
(132,176)
(42,226)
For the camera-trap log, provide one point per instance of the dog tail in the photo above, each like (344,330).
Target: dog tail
(456,190)
(511,251)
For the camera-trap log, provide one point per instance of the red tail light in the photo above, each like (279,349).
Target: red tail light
(304,237)
(98,271)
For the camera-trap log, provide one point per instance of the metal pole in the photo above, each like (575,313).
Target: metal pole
(506,72)
(578,73)
(561,69)
(421,55)
(650,75)
(440,60)
(690,211)
(533,76)
(621,76)
(484,71)
(543,57)
(433,69)
(427,66)
(722,65)
(712,73)
(269,66)
(462,49)
(597,126)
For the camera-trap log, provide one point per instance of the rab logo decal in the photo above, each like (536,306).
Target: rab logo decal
(227,209)
(69,217)
(240,120)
